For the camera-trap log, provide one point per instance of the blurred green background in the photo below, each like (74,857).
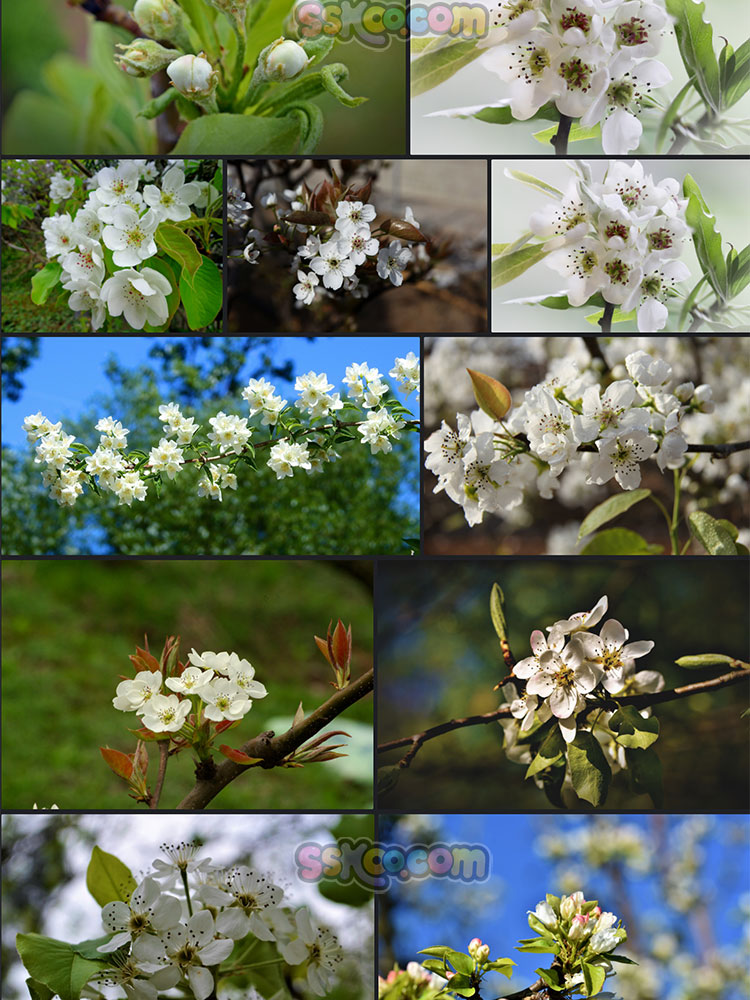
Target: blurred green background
(63,94)
(69,627)
(439,658)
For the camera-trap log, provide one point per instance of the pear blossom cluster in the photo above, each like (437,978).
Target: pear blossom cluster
(592,60)
(570,670)
(183,919)
(620,237)
(118,219)
(216,450)
(567,422)
(223,684)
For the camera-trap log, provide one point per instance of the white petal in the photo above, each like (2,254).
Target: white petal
(201,981)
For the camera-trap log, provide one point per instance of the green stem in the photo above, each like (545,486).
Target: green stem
(239,63)
(187,890)
(668,519)
(676,512)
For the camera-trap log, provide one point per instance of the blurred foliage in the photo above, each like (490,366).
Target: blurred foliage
(18,355)
(438,658)
(70,626)
(358,505)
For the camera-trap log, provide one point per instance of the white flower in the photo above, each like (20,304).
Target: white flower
(60,235)
(673,445)
(174,198)
(251,253)
(54,449)
(581,620)
(165,713)
(60,187)
(166,456)
(230,433)
(192,680)
(446,449)
(361,244)
(305,289)
(256,900)
(116,185)
(619,102)
(608,655)
(647,370)
(86,297)
(563,678)
(86,265)
(129,487)
(181,860)
(209,487)
(318,948)
(539,644)
(544,912)
(392,260)
(620,457)
(140,295)
(225,700)
(658,279)
(606,416)
(133,695)
(315,396)
(379,429)
(286,456)
(129,237)
(148,910)
(333,264)
(190,948)
(353,215)
(284,59)
(242,675)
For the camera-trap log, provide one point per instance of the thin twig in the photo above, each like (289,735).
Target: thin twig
(720,450)
(594,348)
(163,756)
(271,750)
(417,740)
(560,139)
(103,10)
(606,321)
(528,993)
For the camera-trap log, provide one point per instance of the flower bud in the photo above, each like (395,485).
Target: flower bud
(491,395)
(578,927)
(567,908)
(232,8)
(283,60)
(473,945)
(143,57)
(482,954)
(195,78)
(162,19)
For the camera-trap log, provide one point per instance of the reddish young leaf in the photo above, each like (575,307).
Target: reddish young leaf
(237,755)
(120,763)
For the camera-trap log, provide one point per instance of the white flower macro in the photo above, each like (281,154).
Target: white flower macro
(86,264)
(540,644)
(174,199)
(209,487)
(581,621)
(361,244)
(165,713)
(318,948)
(132,695)
(85,298)
(166,457)
(140,295)
(407,373)
(446,449)
(192,680)
(286,456)
(392,260)
(191,948)
(194,77)
(673,446)
(620,457)
(149,909)
(333,264)
(544,912)
(607,653)
(658,279)
(224,700)
(116,185)
(611,413)
(229,433)
(130,237)
(60,187)
(242,675)
(306,287)
(256,900)
(353,215)
(129,487)
(563,678)
(315,398)
(60,235)
(208,660)
(379,429)
(619,102)
(647,370)
(251,253)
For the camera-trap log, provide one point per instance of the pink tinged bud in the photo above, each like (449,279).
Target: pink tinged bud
(449,974)
(491,395)
(483,954)
(474,944)
(596,911)
(392,976)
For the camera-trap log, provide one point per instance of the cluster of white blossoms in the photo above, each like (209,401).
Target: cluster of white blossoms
(222,683)
(333,252)
(69,466)
(620,237)
(592,59)
(182,922)
(121,213)
(568,420)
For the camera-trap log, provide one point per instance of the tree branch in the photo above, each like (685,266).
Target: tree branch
(163,756)
(560,139)
(273,749)
(720,450)
(528,993)
(103,10)
(417,741)
(606,321)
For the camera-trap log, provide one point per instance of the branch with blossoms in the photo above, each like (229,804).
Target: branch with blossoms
(589,68)
(187,706)
(500,453)
(617,242)
(577,710)
(581,937)
(370,415)
(186,924)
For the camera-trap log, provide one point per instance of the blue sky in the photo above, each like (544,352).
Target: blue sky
(442,912)
(70,370)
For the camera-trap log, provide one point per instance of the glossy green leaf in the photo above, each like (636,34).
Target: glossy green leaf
(38,991)
(202,294)
(56,965)
(44,281)
(538,945)
(714,538)
(461,962)
(698,661)
(511,265)
(589,770)
(618,316)
(620,542)
(550,751)
(611,508)
(179,246)
(705,237)
(671,114)
(737,81)
(695,39)
(108,879)
(435,67)
(552,978)
(226,134)
(632,730)
(503,116)
(535,182)
(578,133)
(502,965)
(496,611)
(644,768)
(739,275)
(593,978)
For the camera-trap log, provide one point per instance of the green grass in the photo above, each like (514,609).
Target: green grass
(69,627)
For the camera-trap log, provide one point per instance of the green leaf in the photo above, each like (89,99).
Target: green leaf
(502,965)
(538,944)
(461,962)
(578,133)
(311,122)
(497,613)
(178,246)
(551,750)
(670,114)
(88,949)
(593,978)
(435,67)
(202,295)
(618,316)
(108,879)
(695,39)
(167,268)
(511,265)
(56,965)
(737,81)
(644,768)
(552,978)
(334,88)
(38,991)
(687,305)
(621,959)
(503,115)
(534,182)
(699,660)
(705,236)
(44,281)
(714,538)
(620,542)
(433,965)
(611,508)
(461,981)
(589,769)
(439,950)
(226,134)
(632,730)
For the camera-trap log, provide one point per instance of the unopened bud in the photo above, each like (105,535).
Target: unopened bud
(195,78)
(578,926)
(162,19)
(143,57)
(491,395)
(567,908)
(236,9)
(473,945)
(482,954)
(283,60)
